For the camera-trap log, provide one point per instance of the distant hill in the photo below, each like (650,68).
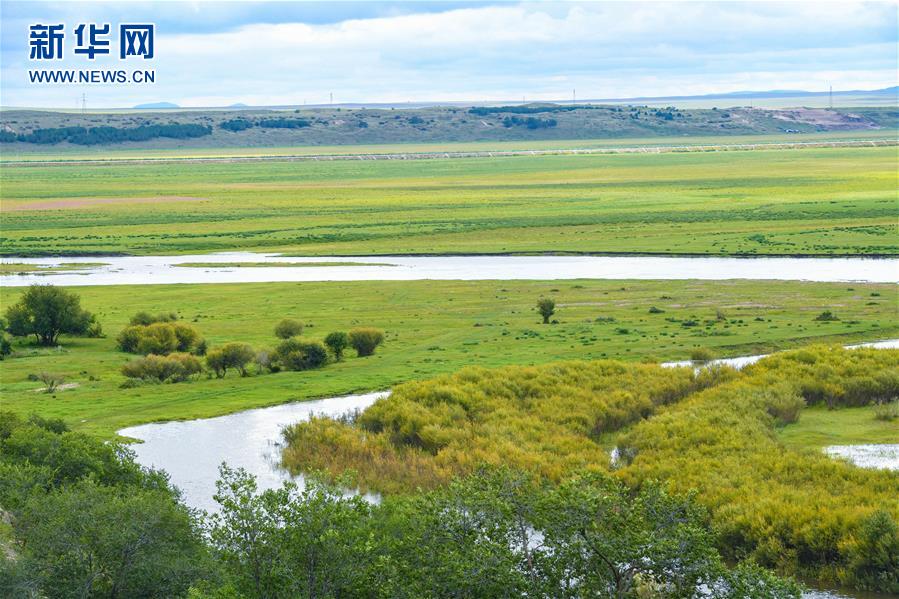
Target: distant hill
(22,130)
(156,106)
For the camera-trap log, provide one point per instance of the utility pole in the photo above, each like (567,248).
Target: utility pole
(830,97)
(83,103)
(331,96)
(574,96)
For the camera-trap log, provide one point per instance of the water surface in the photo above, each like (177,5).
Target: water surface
(163,270)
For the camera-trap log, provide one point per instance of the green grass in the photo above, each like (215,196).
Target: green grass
(274,264)
(433,327)
(823,201)
(17,267)
(820,427)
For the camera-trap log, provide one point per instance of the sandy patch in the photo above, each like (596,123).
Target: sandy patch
(70,203)
(826,118)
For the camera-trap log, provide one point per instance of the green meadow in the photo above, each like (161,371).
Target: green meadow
(814,201)
(432,327)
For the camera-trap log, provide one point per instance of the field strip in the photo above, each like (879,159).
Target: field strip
(468,154)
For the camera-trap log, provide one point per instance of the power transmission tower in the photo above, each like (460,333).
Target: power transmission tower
(83,103)
(830,97)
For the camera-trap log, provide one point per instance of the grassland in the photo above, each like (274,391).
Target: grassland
(819,427)
(830,201)
(433,327)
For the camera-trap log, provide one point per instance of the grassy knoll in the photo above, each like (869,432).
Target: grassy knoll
(820,427)
(827,201)
(433,327)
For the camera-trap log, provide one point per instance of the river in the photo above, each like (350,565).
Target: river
(165,270)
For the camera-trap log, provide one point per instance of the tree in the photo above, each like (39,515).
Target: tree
(300,354)
(337,342)
(173,368)
(230,355)
(47,312)
(547,308)
(365,339)
(5,345)
(89,540)
(288,328)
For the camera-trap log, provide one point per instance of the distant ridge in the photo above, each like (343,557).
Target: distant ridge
(156,106)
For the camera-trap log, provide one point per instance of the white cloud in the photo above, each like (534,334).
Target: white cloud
(538,50)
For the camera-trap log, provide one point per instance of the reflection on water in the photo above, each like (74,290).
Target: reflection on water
(192,450)
(162,270)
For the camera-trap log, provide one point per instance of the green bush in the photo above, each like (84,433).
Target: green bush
(172,368)
(701,354)
(145,318)
(301,354)
(230,355)
(159,338)
(365,339)
(288,328)
(337,342)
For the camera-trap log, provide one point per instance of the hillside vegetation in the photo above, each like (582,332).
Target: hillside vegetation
(714,432)
(22,130)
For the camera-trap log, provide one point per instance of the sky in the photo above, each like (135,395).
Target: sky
(291,53)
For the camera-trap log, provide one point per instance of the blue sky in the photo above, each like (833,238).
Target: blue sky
(274,53)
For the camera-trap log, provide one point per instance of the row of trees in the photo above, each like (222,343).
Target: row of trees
(86,521)
(170,350)
(241,124)
(103,135)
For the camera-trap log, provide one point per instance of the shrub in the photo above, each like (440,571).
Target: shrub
(826,316)
(337,342)
(51,381)
(701,354)
(230,355)
(365,340)
(300,354)
(145,318)
(654,310)
(5,346)
(47,312)
(173,368)
(546,307)
(887,411)
(288,328)
(159,338)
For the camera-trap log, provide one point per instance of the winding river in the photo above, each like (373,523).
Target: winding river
(163,270)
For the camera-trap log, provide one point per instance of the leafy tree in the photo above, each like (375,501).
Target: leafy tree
(365,340)
(546,307)
(230,355)
(288,328)
(286,543)
(47,312)
(89,540)
(337,342)
(300,354)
